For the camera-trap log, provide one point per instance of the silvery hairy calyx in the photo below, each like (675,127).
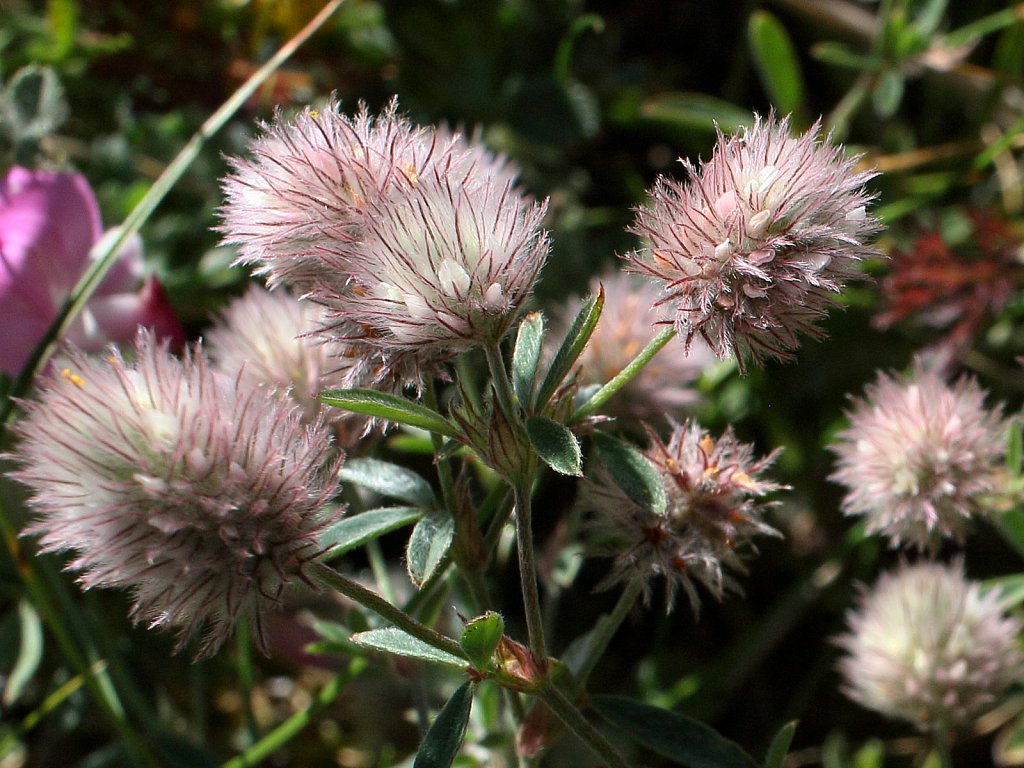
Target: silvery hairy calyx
(396,308)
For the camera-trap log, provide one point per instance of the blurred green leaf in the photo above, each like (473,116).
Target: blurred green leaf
(779,747)
(888,93)
(1014,449)
(382,405)
(444,739)
(395,641)
(30,652)
(930,16)
(695,111)
(33,103)
(556,445)
(632,472)
(389,479)
(428,545)
(776,60)
(841,55)
(1008,748)
(677,737)
(356,530)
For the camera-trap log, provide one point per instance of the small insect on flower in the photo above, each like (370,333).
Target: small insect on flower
(752,250)
(202,494)
(928,646)
(714,491)
(919,457)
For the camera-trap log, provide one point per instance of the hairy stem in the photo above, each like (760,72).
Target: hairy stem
(623,377)
(574,720)
(605,630)
(528,573)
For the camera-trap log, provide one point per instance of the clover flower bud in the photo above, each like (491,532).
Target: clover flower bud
(752,250)
(919,458)
(714,492)
(203,495)
(928,646)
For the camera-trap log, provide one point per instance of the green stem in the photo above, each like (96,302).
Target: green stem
(528,573)
(605,630)
(444,469)
(574,720)
(330,578)
(624,376)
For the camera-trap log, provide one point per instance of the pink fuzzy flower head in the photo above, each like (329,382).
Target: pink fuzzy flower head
(919,457)
(49,228)
(714,491)
(441,268)
(928,646)
(201,494)
(627,325)
(752,250)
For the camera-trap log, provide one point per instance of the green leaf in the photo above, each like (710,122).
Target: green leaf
(428,545)
(840,55)
(1011,525)
(1008,748)
(389,479)
(888,94)
(1014,449)
(357,530)
(694,111)
(929,17)
(632,472)
(556,445)
(779,747)
(394,640)
(33,103)
(444,739)
(391,407)
(480,638)
(30,653)
(776,60)
(526,356)
(1011,589)
(572,346)
(671,735)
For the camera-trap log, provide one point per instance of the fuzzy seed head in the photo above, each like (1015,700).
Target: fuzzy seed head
(919,457)
(202,494)
(752,250)
(928,646)
(714,490)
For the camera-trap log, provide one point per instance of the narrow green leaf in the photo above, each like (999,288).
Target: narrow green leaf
(632,472)
(355,531)
(888,94)
(526,356)
(1014,449)
(979,28)
(395,641)
(1011,589)
(480,638)
(428,545)
(572,346)
(389,479)
(391,407)
(694,111)
(930,16)
(444,739)
(779,747)
(1011,525)
(671,735)
(776,60)
(556,445)
(30,652)
(840,55)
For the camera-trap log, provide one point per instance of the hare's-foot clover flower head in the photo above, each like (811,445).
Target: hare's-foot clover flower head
(443,267)
(201,494)
(714,491)
(753,248)
(264,337)
(49,229)
(627,325)
(919,457)
(928,646)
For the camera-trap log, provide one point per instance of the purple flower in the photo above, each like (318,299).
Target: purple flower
(49,227)
(752,250)
(928,646)
(919,457)
(714,493)
(202,494)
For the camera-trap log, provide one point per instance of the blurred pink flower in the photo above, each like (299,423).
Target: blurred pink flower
(49,227)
